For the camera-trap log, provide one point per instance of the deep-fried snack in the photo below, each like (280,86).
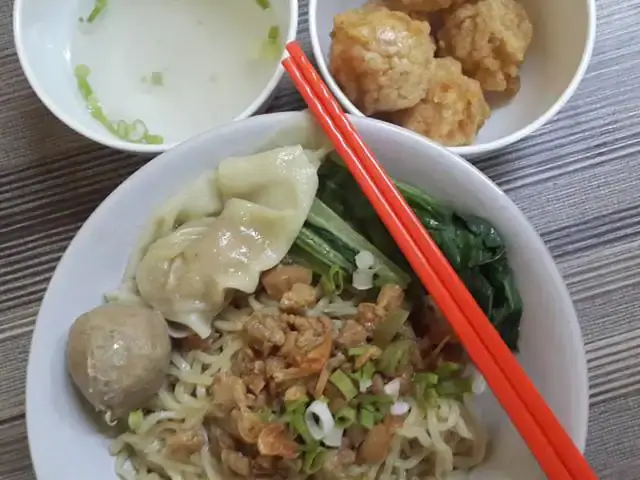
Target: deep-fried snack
(381,59)
(453,110)
(489,38)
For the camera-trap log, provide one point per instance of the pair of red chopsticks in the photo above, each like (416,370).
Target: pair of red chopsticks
(554,450)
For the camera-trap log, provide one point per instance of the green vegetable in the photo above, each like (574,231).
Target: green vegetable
(264,4)
(455,388)
(343,383)
(428,378)
(473,247)
(366,418)
(135,419)
(395,358)
(267,415)
(389,327)
(134,132)
(337,233)
(367,371)
(448,369)
(97,10)
(313,460)
(345,417)
(157,78)
(298,424)
(271,47)
(333,282)
(299,403)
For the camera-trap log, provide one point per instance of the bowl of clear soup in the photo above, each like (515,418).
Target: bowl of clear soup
(142,75)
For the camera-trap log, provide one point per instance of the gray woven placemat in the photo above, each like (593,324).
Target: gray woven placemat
(578,181)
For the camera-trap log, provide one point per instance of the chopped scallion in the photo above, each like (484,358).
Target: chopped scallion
(366,419)
(343,383)
(297,404)
(299,426)
(333,281)
(448,369)
(345,417)
(135,419)
(274,33)
(97,10)
(313,460)
(157,79)
(395,358)
(134,132)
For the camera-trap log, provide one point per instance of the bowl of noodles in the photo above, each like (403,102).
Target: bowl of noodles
(250,318)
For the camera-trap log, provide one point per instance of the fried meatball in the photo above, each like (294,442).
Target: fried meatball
(421,6)
(453,110)
(118,356)
(490,39)
(381,58)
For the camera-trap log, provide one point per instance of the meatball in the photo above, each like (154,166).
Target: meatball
(118,356)
(490,39)
(453,110)
(381,58)
(421,6)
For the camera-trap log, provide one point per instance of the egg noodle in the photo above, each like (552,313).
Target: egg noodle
(441,443)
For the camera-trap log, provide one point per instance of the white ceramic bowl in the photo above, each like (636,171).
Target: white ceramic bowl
(44,32)
(65,444)
(564,34)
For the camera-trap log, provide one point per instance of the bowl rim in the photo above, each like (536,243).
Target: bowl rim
(106,138)
(480,148)
(36,359)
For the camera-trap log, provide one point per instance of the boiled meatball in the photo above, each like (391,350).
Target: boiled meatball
(421,6)
(490,39)
(118,356)
(453,110)
(381,58)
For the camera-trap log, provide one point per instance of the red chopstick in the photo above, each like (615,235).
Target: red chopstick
(550,444)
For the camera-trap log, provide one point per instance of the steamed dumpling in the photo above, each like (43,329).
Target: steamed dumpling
(187,274)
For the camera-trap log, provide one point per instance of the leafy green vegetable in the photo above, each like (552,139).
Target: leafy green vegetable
(327,245)
(473,247)
(134,132)
(97,10)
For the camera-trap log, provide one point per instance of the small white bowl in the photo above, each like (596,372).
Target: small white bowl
(563,39)
(46,36)
(65,444)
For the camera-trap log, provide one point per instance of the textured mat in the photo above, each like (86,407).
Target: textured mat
(578,181)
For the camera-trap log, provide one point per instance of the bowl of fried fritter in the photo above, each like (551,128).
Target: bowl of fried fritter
(472,75)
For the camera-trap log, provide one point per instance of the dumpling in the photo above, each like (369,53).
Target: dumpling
(198,200)
(187,274)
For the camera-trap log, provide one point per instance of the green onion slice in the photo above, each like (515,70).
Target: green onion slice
(134,132)
(97,10)
(345,417)
(343,383)
(313,460)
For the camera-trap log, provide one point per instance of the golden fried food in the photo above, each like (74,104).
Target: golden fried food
(453,110)
(421,6)
(490,39)
(381,59)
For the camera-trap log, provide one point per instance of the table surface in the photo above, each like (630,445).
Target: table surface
(577,180)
